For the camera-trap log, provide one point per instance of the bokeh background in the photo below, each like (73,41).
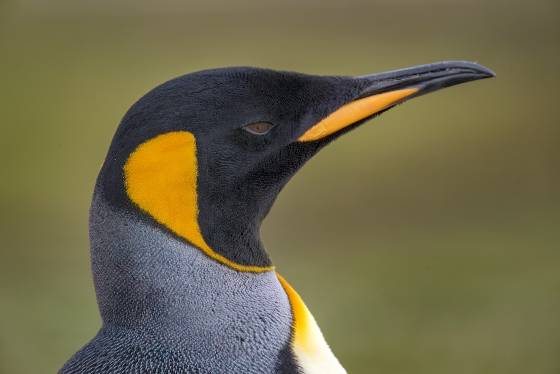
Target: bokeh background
(427,241)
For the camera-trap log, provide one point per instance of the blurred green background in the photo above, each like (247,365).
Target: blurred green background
(427,241)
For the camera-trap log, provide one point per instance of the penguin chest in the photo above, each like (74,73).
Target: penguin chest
(309,347)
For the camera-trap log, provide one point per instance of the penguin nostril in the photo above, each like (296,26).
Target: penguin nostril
(258,128)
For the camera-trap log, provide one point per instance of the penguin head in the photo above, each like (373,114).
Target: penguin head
(205,155)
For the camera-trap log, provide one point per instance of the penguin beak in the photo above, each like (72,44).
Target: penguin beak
(382,91)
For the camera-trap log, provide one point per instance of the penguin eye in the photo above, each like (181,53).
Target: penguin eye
(258,128)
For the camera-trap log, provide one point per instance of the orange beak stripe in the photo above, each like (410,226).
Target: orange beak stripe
(354,112)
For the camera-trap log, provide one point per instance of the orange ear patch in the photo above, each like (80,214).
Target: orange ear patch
(161,178)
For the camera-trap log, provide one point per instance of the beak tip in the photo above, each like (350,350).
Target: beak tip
(475,67)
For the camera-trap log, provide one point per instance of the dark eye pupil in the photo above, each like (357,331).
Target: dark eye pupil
(259,128)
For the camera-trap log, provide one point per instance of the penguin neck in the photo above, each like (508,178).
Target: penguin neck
(144,275)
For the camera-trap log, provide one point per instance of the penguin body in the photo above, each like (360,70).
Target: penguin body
(182,279)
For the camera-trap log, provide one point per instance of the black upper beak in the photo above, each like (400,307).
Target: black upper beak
(382,91)
(426,78)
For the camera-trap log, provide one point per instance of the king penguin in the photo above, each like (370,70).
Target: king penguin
(182,279)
